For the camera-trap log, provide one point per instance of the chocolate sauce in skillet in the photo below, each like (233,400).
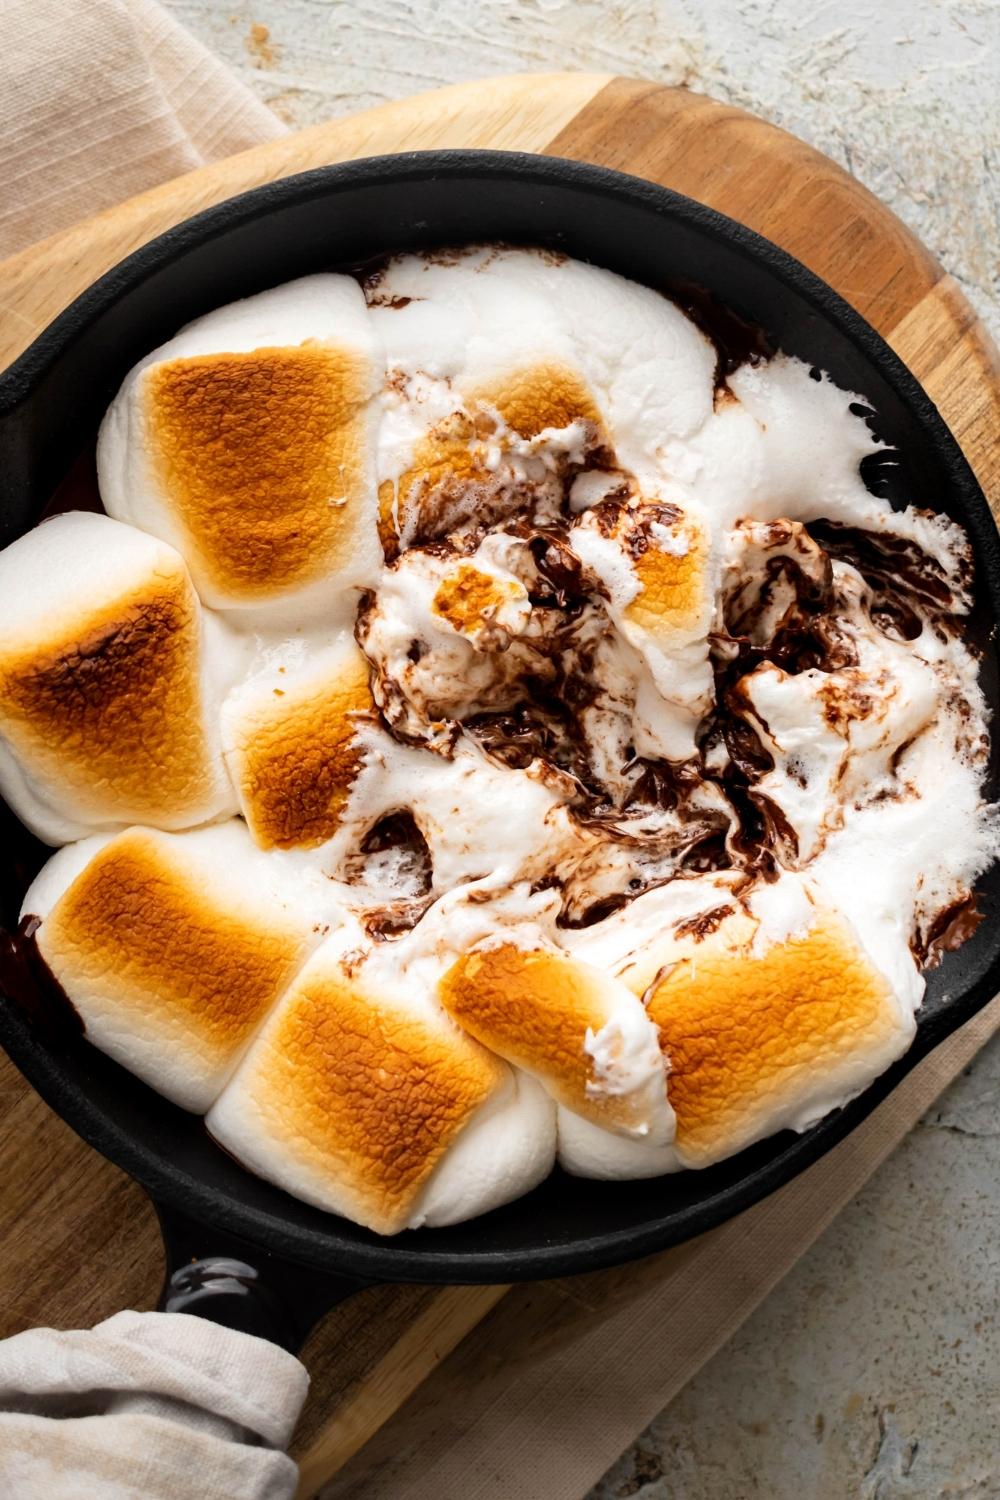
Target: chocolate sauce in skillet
(546,725)
(737,341)
(903,579)
(25,978)
(559,566)
(605,907)
(949,930)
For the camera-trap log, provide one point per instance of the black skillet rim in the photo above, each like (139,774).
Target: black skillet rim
(387,1259)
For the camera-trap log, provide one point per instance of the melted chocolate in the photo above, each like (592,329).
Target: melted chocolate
(545,726)
(949,930)
(396,831)
(664,783)
(394,919)
(399,831)
(763,835)
(559,566)
(707,854)
(370,273)
(747,754)
(704,923)
(25,978)
(812,595)
(518,736)
(737,341)
(605,907)
(903,579)
(23,857)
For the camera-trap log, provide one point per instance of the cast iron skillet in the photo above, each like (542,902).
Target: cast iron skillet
(239,1250)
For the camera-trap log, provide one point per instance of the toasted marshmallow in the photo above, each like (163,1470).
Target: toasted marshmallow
(498,446)
(361,1097)
(496,376)
(290,737)
(247,442)
(769,1013)
(757,1043)
(438,633)
(482,823)
(653,560)
(664,925)
(583,1034)
(483,316)
(108,683)
(655,567)
(172,947)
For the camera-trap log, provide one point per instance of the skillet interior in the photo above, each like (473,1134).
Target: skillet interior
(50,403)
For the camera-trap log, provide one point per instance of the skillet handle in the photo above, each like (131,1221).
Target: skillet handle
(228,1280)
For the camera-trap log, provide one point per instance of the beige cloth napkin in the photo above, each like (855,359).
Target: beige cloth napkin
(102,99)
(147,1406)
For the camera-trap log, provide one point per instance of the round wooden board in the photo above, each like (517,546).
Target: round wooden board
(79,1239)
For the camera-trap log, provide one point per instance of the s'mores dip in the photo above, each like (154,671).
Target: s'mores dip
(490,725)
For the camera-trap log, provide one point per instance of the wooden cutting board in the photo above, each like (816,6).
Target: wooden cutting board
(78,1239)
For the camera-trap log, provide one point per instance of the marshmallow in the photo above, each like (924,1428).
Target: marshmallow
(768,1015)
(438,634)
(584,1035)
(653,559)
(507,364)
(482,823)
(588,1150)
(364,1099)
(172,947)
(757,1043)
(291,744)
(247,442)
(109,686)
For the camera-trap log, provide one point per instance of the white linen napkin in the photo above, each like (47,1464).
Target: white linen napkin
(102,100)
(147,1406)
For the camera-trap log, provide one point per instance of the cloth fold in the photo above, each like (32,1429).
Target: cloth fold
(104,100)
(147,1405)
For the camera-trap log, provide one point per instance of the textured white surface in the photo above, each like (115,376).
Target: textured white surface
(903,94)
(872,1371)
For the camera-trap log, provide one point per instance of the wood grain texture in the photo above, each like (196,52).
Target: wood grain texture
(78,1240)
(436,1321)
(765,178)
(520,113)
